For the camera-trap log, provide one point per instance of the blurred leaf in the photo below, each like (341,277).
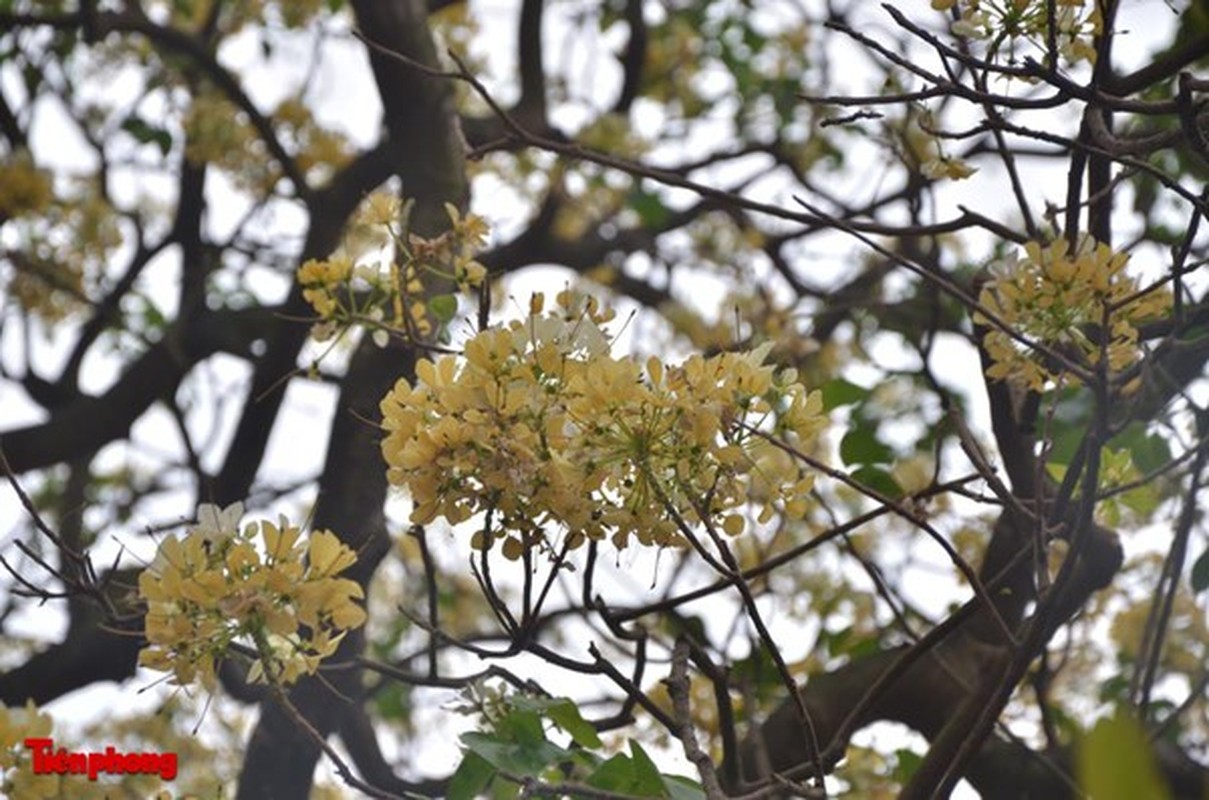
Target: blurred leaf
(146,133)
(863,647)
(652,213)
(1143,501)
(846,642)
(566,716)
(839,392)
(1114,762)
(878,480)
(1200,573)
(149,314)
(471,778)
(522,726)
(907,765)
(444,307)
(519,758)
(1114,689)
(1145,192)
(1068,424)
(634,775)
(393,702)
(835,641)
(688,624)
(861,446)
(619,775)
(646,773)
(681,788)
(564,713)
(1148,450)
(1066,726)
(757,673)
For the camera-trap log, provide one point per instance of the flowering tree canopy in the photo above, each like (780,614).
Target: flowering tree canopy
(610,398)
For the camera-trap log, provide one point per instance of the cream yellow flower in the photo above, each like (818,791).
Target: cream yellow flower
(540,425)
(1059,297)
(219,585)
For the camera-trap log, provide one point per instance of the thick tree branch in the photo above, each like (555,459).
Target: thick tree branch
(419,117)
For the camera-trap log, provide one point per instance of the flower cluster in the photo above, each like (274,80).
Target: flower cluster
(925,150)
(1077,23)
(1060,297)
(63,241)
(537,425)
(220,133)
(317,151)
(17,779)
(388,296)
(941,166)
(215,587)
(24,188)
(323,281)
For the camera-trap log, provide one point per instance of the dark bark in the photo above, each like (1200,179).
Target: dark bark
(96,648)
(427,154)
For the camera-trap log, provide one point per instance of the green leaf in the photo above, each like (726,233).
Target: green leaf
(679,787)
(1148,450)
(646,773)
(879,480)
(519,758)
(566,716)
(564,713)
(1200,573)
(847,642)
(1114,689)
(839,392)
(394,701)
(690,625)
(835,641)
(152,317)
(1066,726)
(1069,424)
(652,213)
(1114,762)
(614,775)
(861,446)
(523,726)
(489,748)
(146,133)
(863,647)
(471,778)
(757,673)
(1142,500)
(444,307)
(907,765)
(635,775)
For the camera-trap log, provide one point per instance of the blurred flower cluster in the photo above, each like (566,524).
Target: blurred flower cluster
(17,778)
